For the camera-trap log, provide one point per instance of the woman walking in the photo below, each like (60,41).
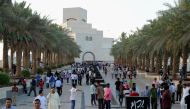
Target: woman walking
(107,96)
(166,99)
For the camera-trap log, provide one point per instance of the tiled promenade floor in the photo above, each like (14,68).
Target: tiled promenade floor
(141,83)
(25,102)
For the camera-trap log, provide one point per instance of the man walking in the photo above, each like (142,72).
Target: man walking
(172,91)
(53,99)
(187,99)
(58,85)
(93,94)
(100,96)
(185,93)
(153,95)
(42,99)
(32,87)
(179,91)
(73,95)
(146,93)
(117,84)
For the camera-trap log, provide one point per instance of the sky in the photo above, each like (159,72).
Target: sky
(111,16)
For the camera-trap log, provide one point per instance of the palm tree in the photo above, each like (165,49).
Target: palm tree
(27,31)
(7,25)
(164,37)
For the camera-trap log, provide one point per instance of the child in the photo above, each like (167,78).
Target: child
(14,93)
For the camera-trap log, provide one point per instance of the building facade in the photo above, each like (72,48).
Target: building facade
(93,45)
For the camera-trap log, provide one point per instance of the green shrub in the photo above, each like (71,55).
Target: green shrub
(53,67)
(61,65)
(25,73)
(40,71)
(4,79)
(1,70)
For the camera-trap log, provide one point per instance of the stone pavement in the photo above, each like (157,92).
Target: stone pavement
(141,82)
(25,102)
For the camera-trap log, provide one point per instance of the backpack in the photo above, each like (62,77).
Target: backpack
(52,79)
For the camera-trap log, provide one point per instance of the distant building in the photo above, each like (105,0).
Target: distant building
(90,40)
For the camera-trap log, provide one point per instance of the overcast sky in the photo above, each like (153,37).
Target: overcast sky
(111,16)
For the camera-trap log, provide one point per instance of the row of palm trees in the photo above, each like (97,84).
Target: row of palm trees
(164,39)
(24,32)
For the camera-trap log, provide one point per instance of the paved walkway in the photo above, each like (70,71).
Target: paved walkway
(141,82)
(25,102)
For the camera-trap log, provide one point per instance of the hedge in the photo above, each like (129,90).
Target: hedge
(4,78)
(25,73)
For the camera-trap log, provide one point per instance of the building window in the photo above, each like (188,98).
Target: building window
(88,38)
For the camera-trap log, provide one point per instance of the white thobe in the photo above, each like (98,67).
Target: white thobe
(185,93)
(53,101)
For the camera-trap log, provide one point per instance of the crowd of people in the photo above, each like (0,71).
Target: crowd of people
(163,92)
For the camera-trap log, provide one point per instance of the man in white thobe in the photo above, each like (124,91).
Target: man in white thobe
(53,100)
(185,93)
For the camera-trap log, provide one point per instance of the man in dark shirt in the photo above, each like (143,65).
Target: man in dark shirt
(179,91)
(33,87)
(187,100)
(153,94)
(117,84)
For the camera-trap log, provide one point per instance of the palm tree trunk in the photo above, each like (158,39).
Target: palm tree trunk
(147,62)
(185,57)
(26,58)
(58,59)
(49,59)
(176,60)
(165,58)
(38,58)
(135,61)
(12,56)
(65,58)
(44,57)
(18,59)
(140,63)
(158,63)
(5,55)
(54,59)
(171,63)
(143,63)
(34,62)
(152,64)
